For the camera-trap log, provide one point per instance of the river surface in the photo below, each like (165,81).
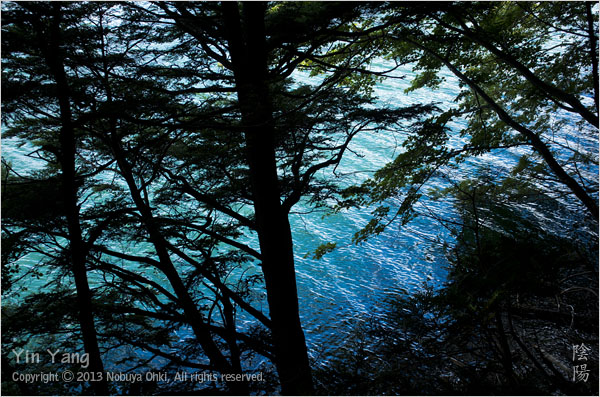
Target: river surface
(352,283)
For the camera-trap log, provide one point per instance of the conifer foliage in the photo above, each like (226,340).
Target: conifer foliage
(170,141)
(175,145)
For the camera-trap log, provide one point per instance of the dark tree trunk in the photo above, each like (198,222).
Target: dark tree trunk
(77,249)
(593,49)
(507,361)
(192,315)
(246,40)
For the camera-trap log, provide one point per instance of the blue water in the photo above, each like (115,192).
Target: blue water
(350,284)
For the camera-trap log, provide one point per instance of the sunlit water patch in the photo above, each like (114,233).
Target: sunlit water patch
(353,282)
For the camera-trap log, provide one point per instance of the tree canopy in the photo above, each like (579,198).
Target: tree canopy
(177,137)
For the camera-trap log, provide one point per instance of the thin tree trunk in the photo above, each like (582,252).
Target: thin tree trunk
(507,361)
(193,317)
(593,49)
(249,59)
(191,313)
(69,189)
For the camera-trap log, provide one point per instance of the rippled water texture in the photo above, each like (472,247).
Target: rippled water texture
(351,283)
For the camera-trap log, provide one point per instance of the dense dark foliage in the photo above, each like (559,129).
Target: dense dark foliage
(175,138)
(516,301)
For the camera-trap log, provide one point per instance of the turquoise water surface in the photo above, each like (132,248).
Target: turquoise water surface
(351,284)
